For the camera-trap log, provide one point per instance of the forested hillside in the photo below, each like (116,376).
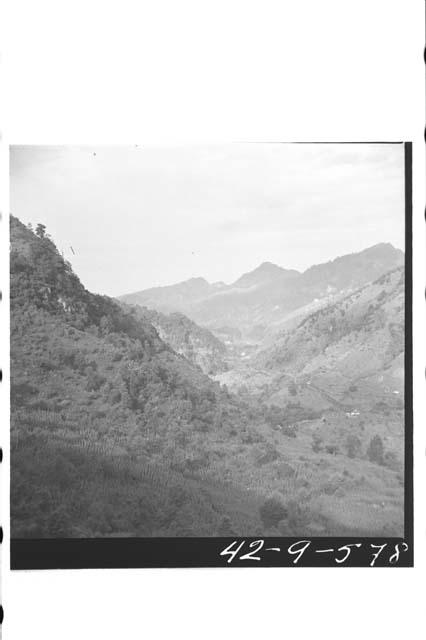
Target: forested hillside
(89,379)
(196,343)
(361,333)
(113,433)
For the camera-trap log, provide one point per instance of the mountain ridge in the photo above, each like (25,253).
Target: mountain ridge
(269,293)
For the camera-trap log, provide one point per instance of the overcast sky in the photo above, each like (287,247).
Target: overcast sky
(139,217)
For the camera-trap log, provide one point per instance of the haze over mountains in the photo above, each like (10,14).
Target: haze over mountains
(269,294)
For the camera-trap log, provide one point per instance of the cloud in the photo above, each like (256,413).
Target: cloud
(144,216)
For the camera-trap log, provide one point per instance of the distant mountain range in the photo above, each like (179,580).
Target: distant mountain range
(269,294)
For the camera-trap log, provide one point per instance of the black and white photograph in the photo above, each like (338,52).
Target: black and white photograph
(212,320)
(208,341)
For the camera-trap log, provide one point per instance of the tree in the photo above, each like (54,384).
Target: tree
(41,230)
(375,451)
(225,527)
(317,442)
(391,460)
(292,389)
(332,449)
(272,511)
(353,446)
(105,325)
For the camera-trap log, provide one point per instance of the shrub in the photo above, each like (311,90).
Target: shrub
(266,453)
(20,392)
(289,431)
(332,484)
(251,436)
(94,380)
(317,442)
(42,404)
(225,527)
(375,451)
(115,396)
(353,446)
(47,365)
(333,449)
(381,407)
(391,461)
(272,511)
(293,405)
(295,515)
(292,389)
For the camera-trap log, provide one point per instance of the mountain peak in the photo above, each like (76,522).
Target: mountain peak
(264,272)
(268,266)
(382,248)
(196,280)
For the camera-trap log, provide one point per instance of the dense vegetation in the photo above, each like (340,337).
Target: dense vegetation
(104,412)
(197,344)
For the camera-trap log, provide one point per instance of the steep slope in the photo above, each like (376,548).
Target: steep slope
(94,387)
(353,349)
(269,295)
(195,343)
(370,320)
(355,269)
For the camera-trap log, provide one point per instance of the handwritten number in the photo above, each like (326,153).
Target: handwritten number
(231,552)
(250,556)
(298,548)
(295,550)
(395,556)
(347,548)
(380,548)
